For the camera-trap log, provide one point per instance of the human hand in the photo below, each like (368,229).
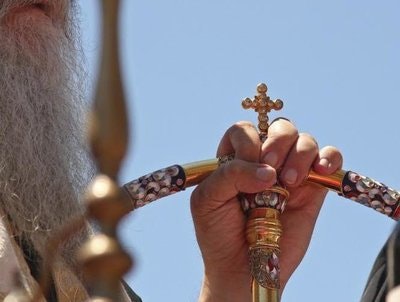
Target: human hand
(220,222)
(294,154)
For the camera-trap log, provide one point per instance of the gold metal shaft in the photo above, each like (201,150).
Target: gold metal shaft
(103,259)
(332,182)
(264,229)
(263,232)
(262,294)
(197,171)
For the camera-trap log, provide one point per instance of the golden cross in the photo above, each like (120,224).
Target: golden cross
(263,105)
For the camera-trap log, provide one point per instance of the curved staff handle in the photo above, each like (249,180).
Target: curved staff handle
(348,184)
(362,189)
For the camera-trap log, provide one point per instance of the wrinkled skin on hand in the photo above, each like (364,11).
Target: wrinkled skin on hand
(286,155)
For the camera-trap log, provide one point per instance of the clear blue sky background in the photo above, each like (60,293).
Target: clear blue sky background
(187,64)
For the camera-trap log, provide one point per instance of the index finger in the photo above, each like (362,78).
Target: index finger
(282,135)
(243,140)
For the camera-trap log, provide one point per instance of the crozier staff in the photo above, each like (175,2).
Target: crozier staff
(44,165)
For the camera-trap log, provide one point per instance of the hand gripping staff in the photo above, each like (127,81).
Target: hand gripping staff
(263,209)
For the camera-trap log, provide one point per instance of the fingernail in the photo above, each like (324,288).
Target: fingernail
(290,176)
(264,173)
(271,159)
(325,163)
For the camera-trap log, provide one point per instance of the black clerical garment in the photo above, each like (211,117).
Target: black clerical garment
(376,287)
(385,273)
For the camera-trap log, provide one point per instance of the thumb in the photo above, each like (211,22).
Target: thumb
(230,179)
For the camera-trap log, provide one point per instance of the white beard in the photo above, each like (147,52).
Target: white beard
(43,161)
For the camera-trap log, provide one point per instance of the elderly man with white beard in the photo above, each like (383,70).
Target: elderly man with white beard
(44,166)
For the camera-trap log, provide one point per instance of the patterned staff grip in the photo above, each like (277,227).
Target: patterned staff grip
(371,193)
(155,185)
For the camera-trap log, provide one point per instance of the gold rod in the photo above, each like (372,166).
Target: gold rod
(347,184)
(109,125)
(332,182)
(262,294)
(197,171)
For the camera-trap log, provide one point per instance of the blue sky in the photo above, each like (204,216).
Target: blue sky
(187,65)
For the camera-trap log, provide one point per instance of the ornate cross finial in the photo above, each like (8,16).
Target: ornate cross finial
(263,105)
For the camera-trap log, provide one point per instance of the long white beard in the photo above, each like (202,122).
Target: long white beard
(43,163)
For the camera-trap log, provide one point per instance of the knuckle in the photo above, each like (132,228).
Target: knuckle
(288,135)
(283,126)
(335,152)
(309,140)
(231,170)
(284,133)
(306,152)
(333,149)
(243,124)
(245,141)
(240,127)
(282,122)
(308,136)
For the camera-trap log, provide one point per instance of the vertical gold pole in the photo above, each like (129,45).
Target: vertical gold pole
(109,130)
(103,259)
(263,233)
(262,294)
(263,209)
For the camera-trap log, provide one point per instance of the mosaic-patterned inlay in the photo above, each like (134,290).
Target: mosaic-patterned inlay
(264,266)
(224,159)
(269,199)
(371,193)
(156,185)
